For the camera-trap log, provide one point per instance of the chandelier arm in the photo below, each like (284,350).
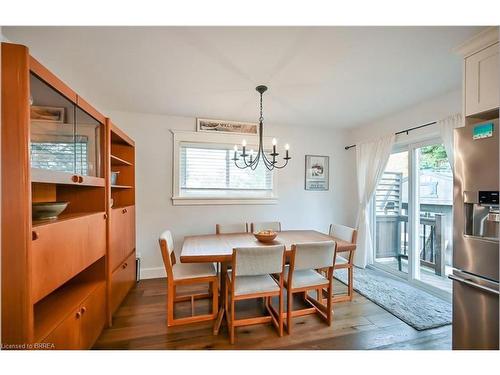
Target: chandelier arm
(282,166)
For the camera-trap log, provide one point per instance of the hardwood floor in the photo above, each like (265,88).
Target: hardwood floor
(140,323)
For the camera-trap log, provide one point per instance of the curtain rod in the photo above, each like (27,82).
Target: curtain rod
(402,131)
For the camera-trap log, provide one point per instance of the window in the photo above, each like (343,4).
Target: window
(206,173)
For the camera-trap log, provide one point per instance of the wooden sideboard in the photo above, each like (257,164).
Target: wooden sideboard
(62,279)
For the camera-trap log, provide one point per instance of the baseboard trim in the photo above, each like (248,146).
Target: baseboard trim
(153,273)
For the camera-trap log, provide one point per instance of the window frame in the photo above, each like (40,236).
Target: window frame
(180,136)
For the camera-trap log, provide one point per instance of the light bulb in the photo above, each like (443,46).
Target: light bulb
(244,143)
(251,152)
(235,148)
(274,141)
(287,147)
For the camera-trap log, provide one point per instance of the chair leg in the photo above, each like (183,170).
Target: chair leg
(231,329)
(226,307)
(289,296)
(170,304)
(215,297)
(350,283)
(280,314)
(329,305)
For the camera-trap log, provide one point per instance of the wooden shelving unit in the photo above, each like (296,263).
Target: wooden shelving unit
(121,253)
(50,268)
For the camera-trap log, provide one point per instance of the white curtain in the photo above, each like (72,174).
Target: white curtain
(371,159)
(446,128)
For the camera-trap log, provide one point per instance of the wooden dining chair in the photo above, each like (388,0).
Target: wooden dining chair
(231,228)
(187,274)
(343,260)
(303,275)
(265,225)
(249,278)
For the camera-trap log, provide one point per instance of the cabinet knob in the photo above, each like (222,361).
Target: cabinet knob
(78,314)
(125,265)
(34,235)
(124,211)
(105,216)
(75,178)
(83,309)
(80,179)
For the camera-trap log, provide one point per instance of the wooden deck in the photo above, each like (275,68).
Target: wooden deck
(140,324)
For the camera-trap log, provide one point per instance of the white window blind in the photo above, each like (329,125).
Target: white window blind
(207,170)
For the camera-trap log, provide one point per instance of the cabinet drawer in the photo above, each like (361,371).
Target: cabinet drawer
(63,249)
(93,317)
(122,234)
(122,279)
(481,81)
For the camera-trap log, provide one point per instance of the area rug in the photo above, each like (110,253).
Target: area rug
(413,306)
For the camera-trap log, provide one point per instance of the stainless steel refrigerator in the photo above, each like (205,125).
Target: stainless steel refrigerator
(475,237)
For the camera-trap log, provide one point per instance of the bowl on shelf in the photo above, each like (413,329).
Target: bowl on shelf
(47,210)
(265,236)
(114,177)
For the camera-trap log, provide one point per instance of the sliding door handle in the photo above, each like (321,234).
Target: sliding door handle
(473,284)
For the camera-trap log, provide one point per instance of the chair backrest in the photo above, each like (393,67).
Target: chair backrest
(231,228)
(259,260)
(343,232)
(314,255)
(266,225)
(167,252)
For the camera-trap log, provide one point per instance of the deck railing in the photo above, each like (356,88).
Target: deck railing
(392,239)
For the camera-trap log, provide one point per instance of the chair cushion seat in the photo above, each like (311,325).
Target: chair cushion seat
(305,278)
(193,270)
(254,284)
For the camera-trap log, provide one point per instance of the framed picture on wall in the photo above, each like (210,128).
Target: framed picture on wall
(47,114)
(221,126)
(317,173)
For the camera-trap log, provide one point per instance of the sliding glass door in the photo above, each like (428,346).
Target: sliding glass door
(412,216)
(434,179)
(390,208)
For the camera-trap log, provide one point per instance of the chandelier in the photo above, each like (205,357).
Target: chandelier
(253,161)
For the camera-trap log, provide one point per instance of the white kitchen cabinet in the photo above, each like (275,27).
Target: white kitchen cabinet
(482,81)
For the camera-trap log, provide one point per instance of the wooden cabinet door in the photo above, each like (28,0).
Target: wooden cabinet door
(481,81)
(63,249)
(122,234)
(67,334)
(116,238)
(93,317)
(130,230)
(122,279)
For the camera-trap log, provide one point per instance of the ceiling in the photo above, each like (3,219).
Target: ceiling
(322,76)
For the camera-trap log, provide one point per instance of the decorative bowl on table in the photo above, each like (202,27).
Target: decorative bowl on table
(265,236)
(47,210)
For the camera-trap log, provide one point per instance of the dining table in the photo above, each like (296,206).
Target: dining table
(218,248)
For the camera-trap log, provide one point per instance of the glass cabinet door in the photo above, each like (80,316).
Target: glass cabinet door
(88,153)
(52,128)
(64,138)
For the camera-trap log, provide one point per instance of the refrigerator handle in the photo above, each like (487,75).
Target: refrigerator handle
(474,285)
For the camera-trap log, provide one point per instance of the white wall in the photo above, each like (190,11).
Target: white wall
(297,208)
(421,113)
